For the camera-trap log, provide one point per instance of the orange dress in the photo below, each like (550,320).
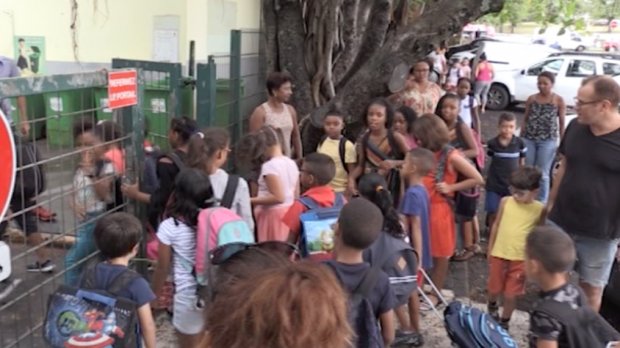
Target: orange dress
(442,226)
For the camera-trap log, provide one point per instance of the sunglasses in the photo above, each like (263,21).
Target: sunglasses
(222,253)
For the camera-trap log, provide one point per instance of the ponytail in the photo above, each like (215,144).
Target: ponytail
(374,188)
(204,145)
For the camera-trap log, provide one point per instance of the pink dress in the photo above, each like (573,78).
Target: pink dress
(269,225)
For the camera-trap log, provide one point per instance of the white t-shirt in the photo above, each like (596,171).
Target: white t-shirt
(85,195)
(288,173)
(182,239)
(465,112)
(241,203)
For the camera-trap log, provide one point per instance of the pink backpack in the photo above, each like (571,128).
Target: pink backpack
(217,226)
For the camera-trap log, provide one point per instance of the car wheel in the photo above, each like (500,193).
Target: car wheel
(498,97)
(580,48)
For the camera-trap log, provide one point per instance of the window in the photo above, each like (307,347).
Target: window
(581,68)
(611,69)
(552,66)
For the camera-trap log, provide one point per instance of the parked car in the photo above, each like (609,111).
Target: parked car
(562,39)
(515,86)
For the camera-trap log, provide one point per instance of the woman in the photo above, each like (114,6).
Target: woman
(544,111)
(483,75)
(419,93)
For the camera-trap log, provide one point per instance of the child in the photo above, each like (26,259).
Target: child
(431,133)
(92,192)
(345,162)
(118,238)
(372,187)
(550,255)
(317,170)
(193,192)
(507,153)
(358,226)
(404,117)
(110,133)
(518,215)
(454,73)
(465,68)
(468,105)
(278,182)
(209,151)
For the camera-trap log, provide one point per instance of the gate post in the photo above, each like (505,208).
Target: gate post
(235,83)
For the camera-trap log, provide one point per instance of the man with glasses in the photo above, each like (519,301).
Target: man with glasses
(585,198)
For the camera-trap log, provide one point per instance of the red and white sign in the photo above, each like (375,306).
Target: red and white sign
(122,88)
(8,160)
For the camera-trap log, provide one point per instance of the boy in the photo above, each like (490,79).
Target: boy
(341,150)
(359,224)
(550,255)
(507,153)
(518,215)
(118,238)
(317,170)
(468,105)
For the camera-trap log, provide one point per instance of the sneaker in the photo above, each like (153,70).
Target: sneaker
(410,339)
(7,286)
(45,267)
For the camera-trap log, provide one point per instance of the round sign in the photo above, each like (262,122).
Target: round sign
(7,158)
(613,24)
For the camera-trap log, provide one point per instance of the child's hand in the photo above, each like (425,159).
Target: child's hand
(130,191)
(351,190)
(444,188)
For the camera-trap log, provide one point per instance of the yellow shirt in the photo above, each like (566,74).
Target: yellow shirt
(330,147)
(516,222)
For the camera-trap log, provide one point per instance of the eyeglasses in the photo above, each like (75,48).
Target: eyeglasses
(223,253)
(583,103)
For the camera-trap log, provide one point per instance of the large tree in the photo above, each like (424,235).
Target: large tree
(344,52)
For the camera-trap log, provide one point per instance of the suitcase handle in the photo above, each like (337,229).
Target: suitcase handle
(92,296)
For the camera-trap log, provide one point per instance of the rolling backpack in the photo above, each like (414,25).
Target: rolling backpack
(469,327)
(316,238)
(342,147)
(86,316)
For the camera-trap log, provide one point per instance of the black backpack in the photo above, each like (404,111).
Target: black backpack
(342,147)
(30,181)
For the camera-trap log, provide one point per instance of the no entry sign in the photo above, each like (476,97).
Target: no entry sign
(122,89)
(7,158)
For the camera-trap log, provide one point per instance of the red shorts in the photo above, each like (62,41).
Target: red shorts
(506,277)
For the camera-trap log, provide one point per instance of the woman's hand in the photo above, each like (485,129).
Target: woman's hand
(444,188)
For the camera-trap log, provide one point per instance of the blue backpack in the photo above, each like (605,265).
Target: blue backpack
(316,239)
(469,327)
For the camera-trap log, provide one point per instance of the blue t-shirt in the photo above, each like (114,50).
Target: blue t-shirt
(416,203)
(138,290)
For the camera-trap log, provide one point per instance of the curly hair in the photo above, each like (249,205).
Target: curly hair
(252,147)
(281,308)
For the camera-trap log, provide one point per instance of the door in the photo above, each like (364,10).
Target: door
(526,83)
(567,84)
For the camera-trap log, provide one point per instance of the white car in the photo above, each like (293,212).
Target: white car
(515,86)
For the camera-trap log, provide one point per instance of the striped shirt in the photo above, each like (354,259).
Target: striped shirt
(182,239)
(504,160)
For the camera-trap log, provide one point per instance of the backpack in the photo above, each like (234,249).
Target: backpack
(342,147)
(117,195)
(86,315)
(393,177)
(29,181)
(480,159)
(582,326)
(469,327)
(150,181)
(398,260)
(316,238)
(440,172)
(360,312)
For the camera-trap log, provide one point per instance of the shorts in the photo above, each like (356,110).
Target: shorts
(187,317)
(26,221)
(465,206)
(491,202)
(506,277)
(595,258)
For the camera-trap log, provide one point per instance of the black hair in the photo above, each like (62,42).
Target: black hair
(335,113)
(552,247)
(442,100)
(374,188)
(117,234)
(389,112)
(410,116)
(275,80)
(192,193)
(526,178)
(424,160)
(427,61)
(507,117)
(251,148)
(184,126)
(549,75)
(321,166)
(203,146)
(21,40)
(464,79)
(483,56)
(82,125)
(360,223)
(109,131)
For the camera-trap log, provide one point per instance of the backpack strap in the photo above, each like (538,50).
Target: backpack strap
(342,148)
(229,191)
(442,163)
(339,200)
(395,152)
(122,281)
(176,159)
(368,282)
(308,203)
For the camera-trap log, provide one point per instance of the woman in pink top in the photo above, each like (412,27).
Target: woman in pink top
(419,93)
(484,74)
(276,113)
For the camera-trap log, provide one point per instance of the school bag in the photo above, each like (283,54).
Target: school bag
(469,327)
(316,238)
(342,147)
(86,316)
(29,181)
(360,312)
(582,326)
(398,260)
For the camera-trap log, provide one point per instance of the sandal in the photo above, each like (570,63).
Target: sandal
(465,254)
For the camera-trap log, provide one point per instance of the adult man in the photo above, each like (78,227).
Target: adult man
(585,199)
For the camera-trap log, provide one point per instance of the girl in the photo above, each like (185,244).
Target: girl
(382,150)
(404,117)
(543,112)
(483,73)
(209,151)
(278,182)
(454,73)
(432,133)
(469,105)
(177,249)
(373,187)
(461,138)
